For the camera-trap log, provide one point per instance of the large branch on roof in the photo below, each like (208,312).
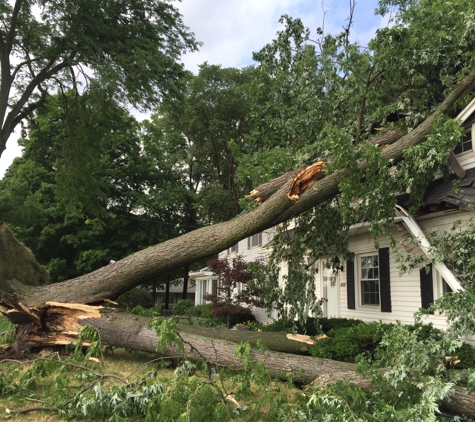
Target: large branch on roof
(328,187)
(266,190)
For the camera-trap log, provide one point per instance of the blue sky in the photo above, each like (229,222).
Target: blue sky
(231,30)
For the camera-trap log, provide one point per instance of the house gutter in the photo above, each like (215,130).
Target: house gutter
(425,246)
(363,227)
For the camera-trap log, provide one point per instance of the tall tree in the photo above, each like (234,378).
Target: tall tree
(132,47)
(134,202)
(205,130)
(330,98)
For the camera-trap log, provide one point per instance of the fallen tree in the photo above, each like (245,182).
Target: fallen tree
(51,314)
(119,329)
(298,192)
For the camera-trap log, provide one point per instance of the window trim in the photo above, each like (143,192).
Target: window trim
(470,130)
(359,279)
(251,244)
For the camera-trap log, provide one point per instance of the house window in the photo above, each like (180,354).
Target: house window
(254,240)
(234,248)
(433,285)
(446,288)
(465,144)
(369,279)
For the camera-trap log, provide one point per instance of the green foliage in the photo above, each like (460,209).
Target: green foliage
(204,132)
(148,312)
(136,297)
(311,326)
(346,344)
(184,307)
(49,44)
(466,354)
(208,322)
(328,324)
(167,333)
(79,234)
(7,331)
(204,310)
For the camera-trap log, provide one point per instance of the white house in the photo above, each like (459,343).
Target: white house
(370,287)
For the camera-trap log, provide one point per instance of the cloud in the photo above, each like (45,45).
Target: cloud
(232,30)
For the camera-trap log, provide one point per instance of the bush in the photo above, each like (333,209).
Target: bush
(231,314)
(346,343)
(140,310)
(313,326)
(203,311)
(328,324)
(136,297)
(184,307)
(466,355)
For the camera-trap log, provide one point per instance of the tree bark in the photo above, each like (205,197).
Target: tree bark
(63,322)
(122,330)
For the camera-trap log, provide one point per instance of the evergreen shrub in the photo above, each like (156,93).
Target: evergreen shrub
(346,343)
(184,307)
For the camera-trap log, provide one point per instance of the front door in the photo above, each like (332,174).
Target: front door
(329,285)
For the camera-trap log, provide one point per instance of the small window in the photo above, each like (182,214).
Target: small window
(235,248)
(445,287)
(254,240)
(369,279)
(465,144)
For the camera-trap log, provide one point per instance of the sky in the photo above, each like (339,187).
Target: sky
(232,30)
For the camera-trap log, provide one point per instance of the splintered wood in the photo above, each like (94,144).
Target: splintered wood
(305,179)
(51,324)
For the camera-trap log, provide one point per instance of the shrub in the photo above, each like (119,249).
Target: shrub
(136,297)
(466,355)
(346,343)
(203,311)
(231,314)
(140,310)
(328,324)
(184,307)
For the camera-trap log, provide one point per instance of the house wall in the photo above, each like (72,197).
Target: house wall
(250,255)
(405,289)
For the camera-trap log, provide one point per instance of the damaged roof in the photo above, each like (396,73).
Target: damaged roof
(441,192)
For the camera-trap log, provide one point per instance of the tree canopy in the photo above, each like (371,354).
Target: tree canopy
(135,200)
(131,47)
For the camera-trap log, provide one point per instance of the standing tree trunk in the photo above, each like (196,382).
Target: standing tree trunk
(184,294)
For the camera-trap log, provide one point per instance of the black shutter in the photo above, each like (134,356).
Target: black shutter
(350,284)
(384,282)
(427,287)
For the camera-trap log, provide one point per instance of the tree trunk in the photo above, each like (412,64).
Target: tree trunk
(122,330)
(184,294)
(62,322)
(167,294)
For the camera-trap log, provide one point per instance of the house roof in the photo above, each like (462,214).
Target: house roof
(179,289)
(441,192)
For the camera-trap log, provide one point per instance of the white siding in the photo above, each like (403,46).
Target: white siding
(405,289)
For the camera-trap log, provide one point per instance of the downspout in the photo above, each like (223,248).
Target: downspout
(424,244)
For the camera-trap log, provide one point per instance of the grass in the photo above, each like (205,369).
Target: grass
(120,363)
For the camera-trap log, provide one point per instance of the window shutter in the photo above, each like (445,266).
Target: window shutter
(384,282)
(350,284)
(427,286)
(249,242)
